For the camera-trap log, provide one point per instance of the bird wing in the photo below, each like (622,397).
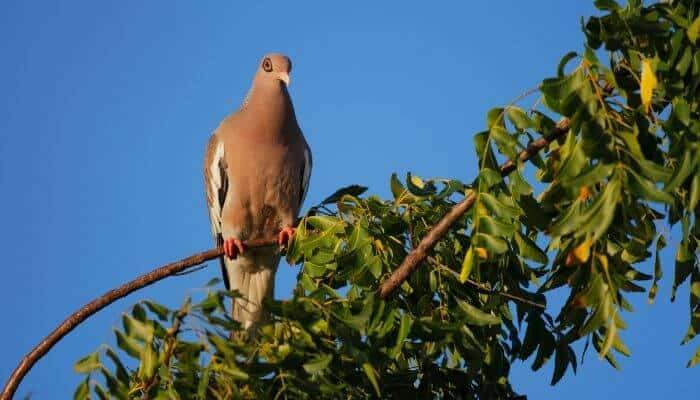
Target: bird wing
(216,185)
(305,173)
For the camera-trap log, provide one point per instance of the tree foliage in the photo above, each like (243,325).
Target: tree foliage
(584,221)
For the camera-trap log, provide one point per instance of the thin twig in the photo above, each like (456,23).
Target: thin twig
(169,343)
(418,254)
(106,299)
(482,288)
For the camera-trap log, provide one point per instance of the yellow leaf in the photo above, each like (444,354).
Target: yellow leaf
(417,181)
(581,253)
(694,30)
(378,245)
(467,265)
(603,259)
(481,209)
(648,84)
(482,253)
(584,193)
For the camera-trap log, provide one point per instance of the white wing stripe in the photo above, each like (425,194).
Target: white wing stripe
(215,185)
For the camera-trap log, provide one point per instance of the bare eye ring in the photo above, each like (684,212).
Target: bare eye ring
(267,65)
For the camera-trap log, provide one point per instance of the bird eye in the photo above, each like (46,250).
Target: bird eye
(267,65)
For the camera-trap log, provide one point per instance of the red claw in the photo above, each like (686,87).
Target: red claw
(285,236)
(233,247)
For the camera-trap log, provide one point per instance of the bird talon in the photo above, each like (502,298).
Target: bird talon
(233,247)
(285,236)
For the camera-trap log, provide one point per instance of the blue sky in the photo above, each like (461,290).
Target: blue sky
(105,111)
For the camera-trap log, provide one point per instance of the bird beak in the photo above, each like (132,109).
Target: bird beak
(284,77)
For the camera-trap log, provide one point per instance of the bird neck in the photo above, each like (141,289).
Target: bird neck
(270,99)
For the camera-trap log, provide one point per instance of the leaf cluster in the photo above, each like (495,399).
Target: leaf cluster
(587,221)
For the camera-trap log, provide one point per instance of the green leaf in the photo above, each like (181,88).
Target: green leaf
(117,389)
(518,185)
(658,271)
(88,363)
(359,321)
(609,357)
(685,60)
(533,213)
(318,363)
(571,219)
(102,394)
(544,351)
(561,361)
(495,227)
(695,359)
(372,376)
(404,329)
(598,217)
(565,60)
(606,5)
(590,175)
(129,345)
(494,117)
(213,282)
(653,171)
(555,90)
(159,310)
(477,317)
(82,392)
(610,335)
(149,362)
(683,268)
(575,161)
(137,329)
(418,187)
(231,371)
(600,315)
(529,249)
(507,144)
(494,245)
(467,264)
(203,383)
(694,30)
(532,336)
(518,117)
(681,110)
(352,190)
(694,193)
(498,207)
(648,190)
(121,371)
(397,188)
(489,177)
(314,270)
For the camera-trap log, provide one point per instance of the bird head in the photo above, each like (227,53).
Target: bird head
(275,67)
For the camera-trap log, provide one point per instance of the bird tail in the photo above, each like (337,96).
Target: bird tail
(253,275)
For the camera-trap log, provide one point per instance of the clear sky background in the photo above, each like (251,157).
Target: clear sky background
(105,111)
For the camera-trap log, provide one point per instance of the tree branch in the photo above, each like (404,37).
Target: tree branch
(418,254)
(106,299)
(410,263)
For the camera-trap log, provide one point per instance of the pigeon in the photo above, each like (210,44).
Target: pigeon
(257,168)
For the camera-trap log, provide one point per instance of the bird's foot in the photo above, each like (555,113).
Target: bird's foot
(285,236)
(233,247)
